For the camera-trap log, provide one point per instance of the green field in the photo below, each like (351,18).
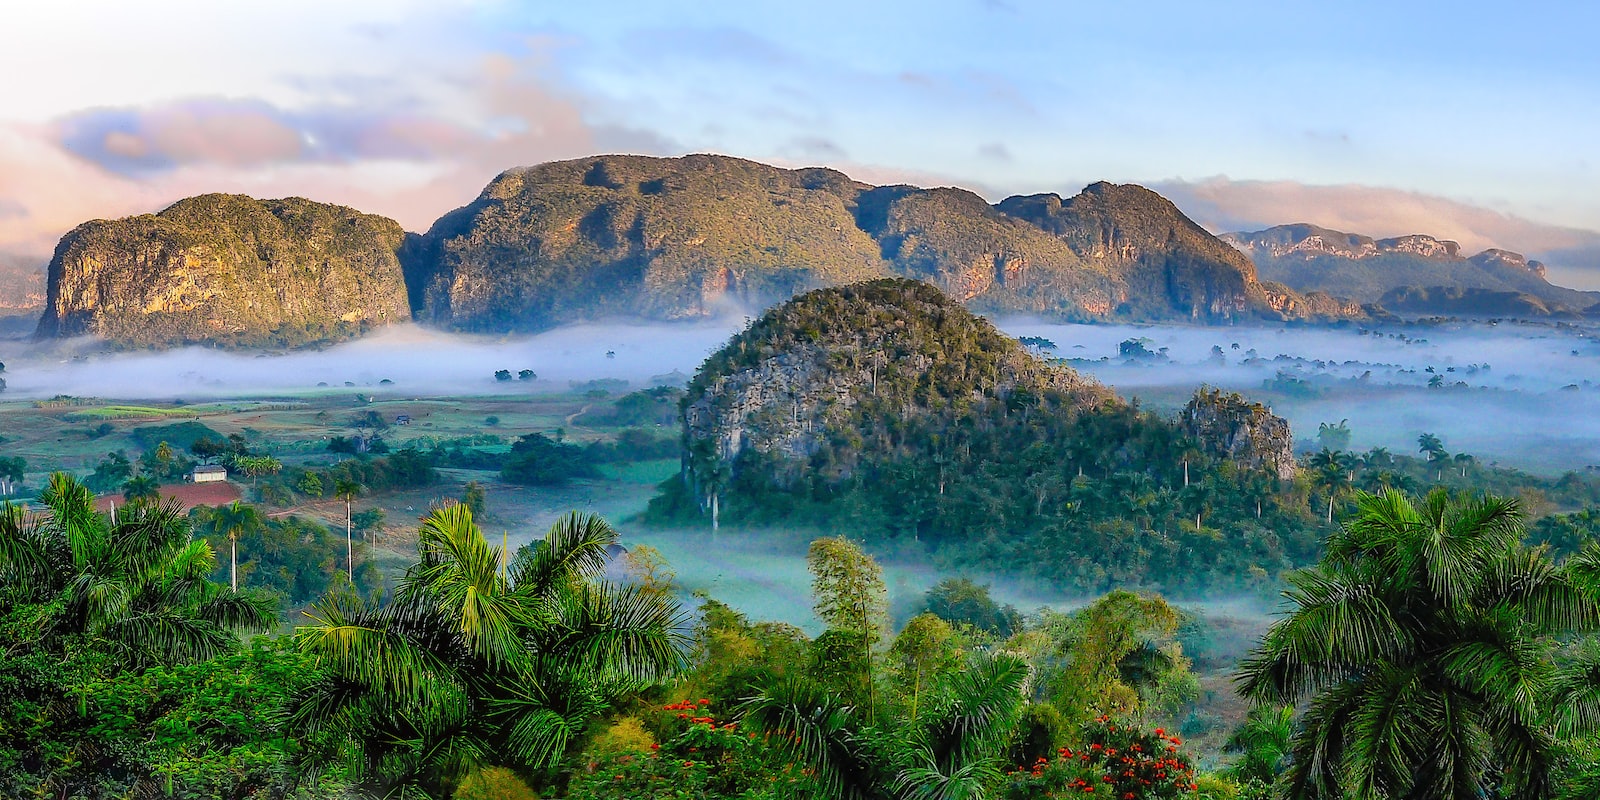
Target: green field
(106,413)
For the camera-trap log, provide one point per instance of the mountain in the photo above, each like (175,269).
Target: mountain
(669,238)
(1309,258)
(228,270)
(885,409)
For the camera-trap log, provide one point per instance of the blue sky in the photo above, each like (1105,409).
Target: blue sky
(1476,121)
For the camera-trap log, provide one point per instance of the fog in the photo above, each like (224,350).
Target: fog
(416,360)
(1531,393)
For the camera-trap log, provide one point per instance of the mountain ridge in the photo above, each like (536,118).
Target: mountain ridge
(1309,257)
(681,238)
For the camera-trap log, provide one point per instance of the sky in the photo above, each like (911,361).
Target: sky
(1468,120)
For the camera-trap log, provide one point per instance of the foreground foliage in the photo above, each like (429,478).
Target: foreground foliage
(476,663)
(1426,641)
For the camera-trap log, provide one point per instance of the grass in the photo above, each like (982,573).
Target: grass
(105,413)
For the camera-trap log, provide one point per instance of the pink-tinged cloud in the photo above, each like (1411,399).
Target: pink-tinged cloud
(408,164)
(1223,205)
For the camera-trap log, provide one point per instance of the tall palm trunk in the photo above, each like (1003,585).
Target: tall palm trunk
(349,549)
(233,560)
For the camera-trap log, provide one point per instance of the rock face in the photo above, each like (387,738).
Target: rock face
(1164,262)
(227,270)
(803,373)
(1309,259)
(1229,426)
(682,237)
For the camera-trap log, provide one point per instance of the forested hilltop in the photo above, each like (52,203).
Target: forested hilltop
(886,410)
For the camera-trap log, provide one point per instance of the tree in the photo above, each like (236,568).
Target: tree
(234,520)
(1329,473)
(502,374)
(849,597)
(1334,437)
(470,668)
(1431,446)
(474,498)
(109,475)
(924,650)
(951,749)
(12,471)
(141,488)
(136,584)
(256,466)
(310,484)
(650,570)
(207,449)
(1119,656)
(347,490)
(1262,742)
(526,375)
(368,521)
(959,600)
(1424,640)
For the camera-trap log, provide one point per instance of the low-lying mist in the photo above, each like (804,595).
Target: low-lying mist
(1522,394)
(1525,395)
(416,361)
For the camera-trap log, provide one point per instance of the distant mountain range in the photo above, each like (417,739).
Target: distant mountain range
(1409,274)
(636,237)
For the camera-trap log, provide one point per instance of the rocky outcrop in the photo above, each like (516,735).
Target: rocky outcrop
(227,270)
(1229,426)
(671,238)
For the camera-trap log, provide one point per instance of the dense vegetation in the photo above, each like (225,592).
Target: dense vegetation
(953,438)
(1440,658)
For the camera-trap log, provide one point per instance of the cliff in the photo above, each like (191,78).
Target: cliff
(227,270)
(1248,433)
(671,238)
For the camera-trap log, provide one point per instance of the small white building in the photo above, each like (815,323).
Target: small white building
(209,473)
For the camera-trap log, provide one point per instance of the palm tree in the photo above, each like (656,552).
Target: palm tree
(347,490)
(1425,641)
(471,667)
(1432,447)
(951,750)
(1377,458)
(136,584)
(233,520)
(1328,472)
(141,488)
(1263,741)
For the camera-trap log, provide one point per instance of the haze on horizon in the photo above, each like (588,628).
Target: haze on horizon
(1470,121)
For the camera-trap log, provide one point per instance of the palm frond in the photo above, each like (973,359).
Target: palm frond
(815,728)
(361,648)
(982,705)
(925,781)
(575,549)
(459,575)
(623,630)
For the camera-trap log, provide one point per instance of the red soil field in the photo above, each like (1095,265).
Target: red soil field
(219,493)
